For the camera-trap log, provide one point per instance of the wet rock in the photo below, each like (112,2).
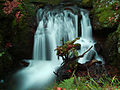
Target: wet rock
(95,22)
(63,73)
(84,67)
(25,63)
(98,48)
(91,55)
(69,9)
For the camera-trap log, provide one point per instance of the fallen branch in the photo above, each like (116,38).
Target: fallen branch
(74,58)
(85,52)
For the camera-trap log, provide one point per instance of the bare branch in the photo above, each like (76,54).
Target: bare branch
(74,58)
(85,52)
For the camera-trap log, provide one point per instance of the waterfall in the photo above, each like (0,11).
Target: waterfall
(86,39)
(86,26)
(50,31)
(53,25)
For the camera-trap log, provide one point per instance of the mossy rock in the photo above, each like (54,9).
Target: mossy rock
(106,14)
(112,48)
(86,4)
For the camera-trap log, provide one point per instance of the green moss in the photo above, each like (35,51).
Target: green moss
(103,17)
(108,14)
(85,1)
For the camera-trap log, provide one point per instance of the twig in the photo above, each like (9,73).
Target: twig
(74,58)
(85,52)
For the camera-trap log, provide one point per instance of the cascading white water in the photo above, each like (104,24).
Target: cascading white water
(86,39)
(52,27)
(50,32)
(86,26)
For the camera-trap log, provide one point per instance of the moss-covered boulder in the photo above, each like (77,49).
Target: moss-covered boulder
(112,48)
(105,14)
(87,3)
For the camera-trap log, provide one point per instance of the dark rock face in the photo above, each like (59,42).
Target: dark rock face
(62,73)
(91,55)
(79,26)
(111,50)
(66,71)
(24,63)
(23,50)
(95,23)
(98,48)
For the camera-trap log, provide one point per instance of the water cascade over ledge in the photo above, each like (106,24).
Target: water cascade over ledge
(53,25)
(86,39)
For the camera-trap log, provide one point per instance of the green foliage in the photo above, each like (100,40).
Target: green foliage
(107,12)
(67,84)
(67,50)
(85,1)
(88,83)
(103,18)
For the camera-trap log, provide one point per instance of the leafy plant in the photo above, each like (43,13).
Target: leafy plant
(67,50)
(108,12)
(88,83)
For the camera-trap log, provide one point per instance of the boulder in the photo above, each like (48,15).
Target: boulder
(91,55)
(98,48)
